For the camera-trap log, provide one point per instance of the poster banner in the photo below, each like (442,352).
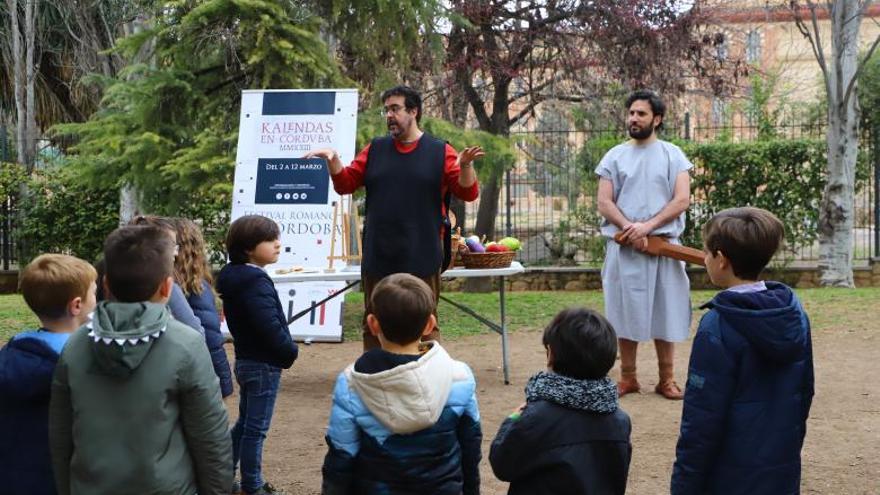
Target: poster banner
(292,181)
(276,128)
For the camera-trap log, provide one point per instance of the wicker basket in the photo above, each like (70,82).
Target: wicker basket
(454,257)
(488,260)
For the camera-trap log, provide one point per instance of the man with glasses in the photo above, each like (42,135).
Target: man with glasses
(408,176)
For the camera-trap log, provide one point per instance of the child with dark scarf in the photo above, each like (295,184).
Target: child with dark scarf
(570,436)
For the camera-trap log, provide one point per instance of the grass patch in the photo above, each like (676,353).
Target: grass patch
(842,309)
(15,316)
(525,310)
(829,309)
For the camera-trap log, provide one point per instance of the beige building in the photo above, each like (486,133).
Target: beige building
(765,35)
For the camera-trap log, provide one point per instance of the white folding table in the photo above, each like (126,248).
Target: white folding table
(354,277)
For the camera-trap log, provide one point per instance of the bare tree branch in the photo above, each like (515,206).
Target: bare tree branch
(533,89)
(852,82)
(536,99)
(812,37)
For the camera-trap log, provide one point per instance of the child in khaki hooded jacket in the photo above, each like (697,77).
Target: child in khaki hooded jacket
(135,404)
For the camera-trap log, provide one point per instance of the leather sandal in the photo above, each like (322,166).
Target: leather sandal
(669,389)
(628,386)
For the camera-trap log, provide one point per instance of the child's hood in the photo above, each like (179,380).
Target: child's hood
(409,397)
(26,367)
(771,320)
(123,333)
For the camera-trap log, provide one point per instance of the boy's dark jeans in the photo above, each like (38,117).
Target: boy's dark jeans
(258,387)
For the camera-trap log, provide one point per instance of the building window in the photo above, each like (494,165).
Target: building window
(519,87)
(753,46)
(719,111)
(721,47)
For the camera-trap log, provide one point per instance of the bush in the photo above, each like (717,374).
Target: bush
(212,213)
(785,177)
(57,213)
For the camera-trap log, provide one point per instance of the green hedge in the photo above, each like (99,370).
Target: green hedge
(58,214)
(785,177)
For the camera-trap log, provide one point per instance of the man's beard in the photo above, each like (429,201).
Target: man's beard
(395,131)
(642,133)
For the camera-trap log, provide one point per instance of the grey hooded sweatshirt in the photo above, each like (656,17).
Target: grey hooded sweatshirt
(136,408)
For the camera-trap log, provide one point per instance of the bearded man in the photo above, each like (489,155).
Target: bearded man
(644,189)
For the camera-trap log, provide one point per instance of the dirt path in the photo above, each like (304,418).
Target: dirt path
(841,455)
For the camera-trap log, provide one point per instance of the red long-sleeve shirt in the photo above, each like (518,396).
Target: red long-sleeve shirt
(351,177)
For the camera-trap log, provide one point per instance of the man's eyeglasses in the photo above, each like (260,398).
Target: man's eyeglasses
(391,109)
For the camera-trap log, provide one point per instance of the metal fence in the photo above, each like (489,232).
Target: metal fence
(8,257)
(7,210)
(548,199)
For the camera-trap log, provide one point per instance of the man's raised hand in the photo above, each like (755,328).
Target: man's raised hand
(325,153)
(470,154)
(334,165)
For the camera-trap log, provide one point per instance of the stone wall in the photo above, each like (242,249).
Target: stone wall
(8,281)
(574,279)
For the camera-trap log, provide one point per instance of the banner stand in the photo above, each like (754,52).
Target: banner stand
(277,128)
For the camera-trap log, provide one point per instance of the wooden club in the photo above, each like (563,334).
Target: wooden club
(659,246)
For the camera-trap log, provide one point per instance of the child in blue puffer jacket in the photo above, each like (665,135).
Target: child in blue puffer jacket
(750,379)
(404,416)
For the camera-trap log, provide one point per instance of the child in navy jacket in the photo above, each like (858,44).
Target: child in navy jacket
(263,345)
(750,379)
(60,289)
(193,273)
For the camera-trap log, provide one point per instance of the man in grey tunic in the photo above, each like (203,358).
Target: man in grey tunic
(644,189)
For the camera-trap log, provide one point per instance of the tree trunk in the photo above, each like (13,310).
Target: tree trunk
(30,117)
(837,206)
(17,79)
(456,109)
(130,197)
(129,204)
(490,191)
(23,77)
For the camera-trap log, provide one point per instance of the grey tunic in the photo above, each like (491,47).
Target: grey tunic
(646,297)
